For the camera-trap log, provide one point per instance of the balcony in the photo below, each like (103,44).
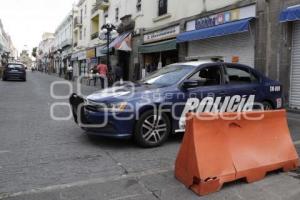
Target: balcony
(77,22)
(95,9)
(101,4)
(94,35)
(66,42)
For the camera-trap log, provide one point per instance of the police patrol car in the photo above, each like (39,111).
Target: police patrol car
(151,109)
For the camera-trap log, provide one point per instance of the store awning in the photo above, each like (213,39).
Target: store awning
(122,43)
(158,46)
(216,31)
(290,14)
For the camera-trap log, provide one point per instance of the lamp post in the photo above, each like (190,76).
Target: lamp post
(108,30)
(59,51)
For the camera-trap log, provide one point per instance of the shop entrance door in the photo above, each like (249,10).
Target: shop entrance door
(124,58)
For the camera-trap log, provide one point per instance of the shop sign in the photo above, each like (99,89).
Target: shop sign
(221,18)
(74,56)
(66,53)
(91,53)
(98,51)
(81,55)
(164,34)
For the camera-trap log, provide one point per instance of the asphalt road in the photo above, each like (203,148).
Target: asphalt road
(41,158)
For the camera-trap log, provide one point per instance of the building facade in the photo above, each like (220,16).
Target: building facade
(155,33)
(45,61)
(7,48)
(63,41)
(278,45)
(87,21)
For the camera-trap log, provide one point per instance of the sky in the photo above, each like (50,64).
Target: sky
(26,20)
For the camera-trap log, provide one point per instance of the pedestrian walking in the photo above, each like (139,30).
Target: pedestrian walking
(60,69)
(144,71)
(70,72)
(118,72)
(102,70)
(95,74)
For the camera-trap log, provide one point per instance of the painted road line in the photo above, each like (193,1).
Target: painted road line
(1,152)
(86,182)
(297,142)
(293,118)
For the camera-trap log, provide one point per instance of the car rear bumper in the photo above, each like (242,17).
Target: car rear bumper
(100,123)
(11,75)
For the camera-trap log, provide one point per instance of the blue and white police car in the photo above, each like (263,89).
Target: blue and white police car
(152,109)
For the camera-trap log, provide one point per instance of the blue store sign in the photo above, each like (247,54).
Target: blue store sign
(222,18)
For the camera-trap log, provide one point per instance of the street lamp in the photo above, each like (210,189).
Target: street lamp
(108,30)
(59,52)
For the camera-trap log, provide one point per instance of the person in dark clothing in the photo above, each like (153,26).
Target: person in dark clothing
(148,68)
(70,72)
(95,72)
(153,67)
(118,72)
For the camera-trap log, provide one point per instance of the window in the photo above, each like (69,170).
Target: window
(84,33)
(85,10)
(209,76)
(105,16)
(240,76)
(80,34)
(162,7)
(139,6)
(117,14)
(168,75)
(81,11)
(15,66)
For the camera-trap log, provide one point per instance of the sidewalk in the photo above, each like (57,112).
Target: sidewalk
(153,185)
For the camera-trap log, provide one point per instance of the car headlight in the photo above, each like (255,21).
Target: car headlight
(116,107)
(106,107)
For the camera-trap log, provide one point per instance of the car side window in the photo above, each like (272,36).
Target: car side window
(240,76)
(208,76)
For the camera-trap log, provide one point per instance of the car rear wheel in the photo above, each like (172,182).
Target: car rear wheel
(152,129)
(267,106)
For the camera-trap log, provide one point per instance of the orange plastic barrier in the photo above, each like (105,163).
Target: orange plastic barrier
(217,151)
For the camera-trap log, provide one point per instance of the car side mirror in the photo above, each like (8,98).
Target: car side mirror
(190,84)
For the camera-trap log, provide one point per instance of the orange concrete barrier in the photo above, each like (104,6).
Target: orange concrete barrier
(217,151)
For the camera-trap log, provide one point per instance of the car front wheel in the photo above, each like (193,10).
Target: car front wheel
(152,129)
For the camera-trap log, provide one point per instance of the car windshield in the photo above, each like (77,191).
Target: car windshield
(168,75)
(15,66)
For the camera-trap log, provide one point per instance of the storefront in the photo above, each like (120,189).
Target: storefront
(91,58)
(66,58)
(82,63)
(99,53)
(160,48)
(120,51)
(75,64)
(292,15)
(57,63)
(227,36)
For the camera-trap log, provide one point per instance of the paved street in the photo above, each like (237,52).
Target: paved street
(45,159)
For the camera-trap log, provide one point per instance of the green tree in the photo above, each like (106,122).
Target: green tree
(34,53)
